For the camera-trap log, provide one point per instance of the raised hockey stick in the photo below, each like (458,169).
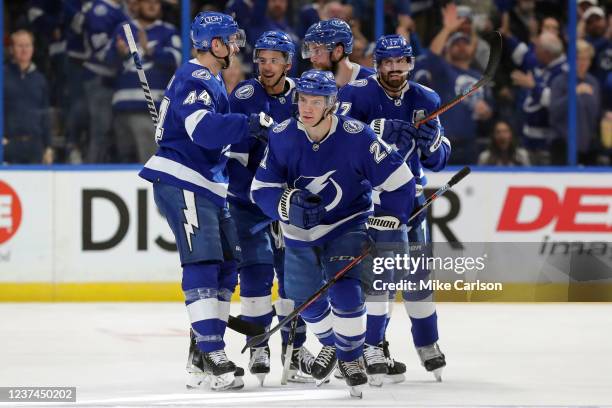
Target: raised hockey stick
(494,58)
(265,336)
(234,323)
(144,84)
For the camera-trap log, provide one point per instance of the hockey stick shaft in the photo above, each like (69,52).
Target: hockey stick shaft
(144,84)
(289,351)
(492,64)
(265,336)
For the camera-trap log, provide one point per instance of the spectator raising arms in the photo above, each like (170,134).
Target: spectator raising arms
(26,106)
(446,69)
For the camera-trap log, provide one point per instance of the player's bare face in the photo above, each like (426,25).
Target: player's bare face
(311,108)
(394,71)
(272,65)
(320,57)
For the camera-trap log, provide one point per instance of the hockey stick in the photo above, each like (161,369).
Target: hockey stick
(144,84)
(234,323)
(265,336)
(494,58)
(289,351)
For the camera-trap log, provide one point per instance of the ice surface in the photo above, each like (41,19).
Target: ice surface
(133,354)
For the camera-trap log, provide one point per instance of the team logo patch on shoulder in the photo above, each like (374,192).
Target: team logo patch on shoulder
(352,126)
(359,83)
(201,74)
(245,92)
(281,126)
(100,10)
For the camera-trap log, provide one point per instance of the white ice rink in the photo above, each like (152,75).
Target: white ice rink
(133,354)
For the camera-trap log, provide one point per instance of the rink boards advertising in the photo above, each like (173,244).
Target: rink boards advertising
(97,235)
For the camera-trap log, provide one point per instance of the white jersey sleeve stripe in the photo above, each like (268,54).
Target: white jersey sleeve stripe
(242,158)
(257,184)
(191,122)
(398,178)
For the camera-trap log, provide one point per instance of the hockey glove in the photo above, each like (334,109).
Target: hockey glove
(395,132)
(390,236)
(429,137)
(259,125)
(301,208)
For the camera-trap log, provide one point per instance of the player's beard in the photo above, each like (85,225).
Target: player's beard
(396,82)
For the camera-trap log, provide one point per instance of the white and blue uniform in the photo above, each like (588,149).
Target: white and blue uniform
(366,100)
(345,169)
(190,184)
(260,256)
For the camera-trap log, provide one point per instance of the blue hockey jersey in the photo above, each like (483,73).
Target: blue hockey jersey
(366,100)
(194,133)
(250,97)
(341,169)
(164,57)
(449,81)
(100,19)
(537,131)
(360,72)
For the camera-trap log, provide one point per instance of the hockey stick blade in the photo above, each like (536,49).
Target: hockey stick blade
(289,351)
(492,64)
(244,327)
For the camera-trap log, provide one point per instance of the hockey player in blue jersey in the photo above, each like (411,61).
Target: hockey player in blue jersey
(394,103)
(190,182)
(263,250)
(328,44)
(316,178)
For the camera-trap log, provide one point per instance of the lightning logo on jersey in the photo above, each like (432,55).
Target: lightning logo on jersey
(316,185)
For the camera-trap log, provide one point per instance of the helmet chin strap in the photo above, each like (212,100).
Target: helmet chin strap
(225,59)
(326,113)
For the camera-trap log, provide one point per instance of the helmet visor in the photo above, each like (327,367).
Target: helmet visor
(310,49)
(238,38)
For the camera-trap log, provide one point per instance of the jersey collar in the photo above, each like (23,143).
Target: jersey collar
(332,130)
(401,95)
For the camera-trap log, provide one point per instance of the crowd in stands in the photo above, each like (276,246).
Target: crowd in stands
(71,93)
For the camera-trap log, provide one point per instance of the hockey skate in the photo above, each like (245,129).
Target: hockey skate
(324,365)
(259,365)
(198,378)
(432,359)
(395,369)
(375,364)
(300,369)
(354,376)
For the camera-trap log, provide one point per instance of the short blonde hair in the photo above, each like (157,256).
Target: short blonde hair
(583,46)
